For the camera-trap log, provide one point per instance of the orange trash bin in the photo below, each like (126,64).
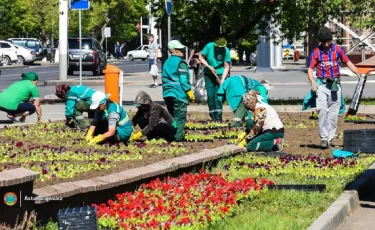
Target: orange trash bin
(112,82)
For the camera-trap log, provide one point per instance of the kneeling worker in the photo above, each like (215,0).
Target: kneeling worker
(78,100)
(268,132)
(111,122)
(233,90)
(14,100)
(153,119)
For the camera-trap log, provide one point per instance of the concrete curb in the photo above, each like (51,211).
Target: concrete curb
(346,203)
(14,67)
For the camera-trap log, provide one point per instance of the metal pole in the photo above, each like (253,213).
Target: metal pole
(359,43)
(80,49)
(363,52)
(141,32)
(63,39)
(186,54)
(169,28)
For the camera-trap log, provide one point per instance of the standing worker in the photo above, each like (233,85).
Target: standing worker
(268,131)
(153,52)
(14,100)
(111,122)
(77,100)
(154,119)
(176,86)
(327,84)
(216,57)
(233,90)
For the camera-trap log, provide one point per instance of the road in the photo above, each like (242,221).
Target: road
(51,72)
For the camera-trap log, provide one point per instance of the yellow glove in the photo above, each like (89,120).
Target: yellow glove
(243,143)
(39,120)
(190,95)
(97,139)
(241,137)
(89,135)
(136,136)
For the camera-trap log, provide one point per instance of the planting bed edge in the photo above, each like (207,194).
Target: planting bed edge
(68,189)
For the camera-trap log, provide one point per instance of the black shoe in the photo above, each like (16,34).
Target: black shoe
(154,86)
(324,144)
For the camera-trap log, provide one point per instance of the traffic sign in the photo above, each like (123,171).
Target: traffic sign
(107,32)
(79,4)
(168,6)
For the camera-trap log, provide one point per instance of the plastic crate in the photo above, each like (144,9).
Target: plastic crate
(361,140)
(84,218)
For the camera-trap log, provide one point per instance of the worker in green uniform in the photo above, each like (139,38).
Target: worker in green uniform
(78,100)
(216,57)
(15,100)
(176,86)
(233,90)
(111,123)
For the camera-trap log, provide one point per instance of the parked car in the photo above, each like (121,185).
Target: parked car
(31,43)
(93,56)
(8,53)
(25,55)
(288,52)
(141,53)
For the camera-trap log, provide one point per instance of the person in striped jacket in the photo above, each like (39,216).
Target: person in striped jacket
(77,101)
(326,84)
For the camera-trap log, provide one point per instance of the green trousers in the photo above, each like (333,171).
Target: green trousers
(264,142)
(239,115)
(178,110)
(79,120)
(215,107)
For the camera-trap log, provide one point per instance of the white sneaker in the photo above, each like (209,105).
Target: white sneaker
(280,145)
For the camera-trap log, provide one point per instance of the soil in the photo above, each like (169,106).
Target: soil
(301,137)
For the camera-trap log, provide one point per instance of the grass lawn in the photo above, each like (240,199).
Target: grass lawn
(287,209)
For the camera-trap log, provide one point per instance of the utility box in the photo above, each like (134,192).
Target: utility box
(83,218)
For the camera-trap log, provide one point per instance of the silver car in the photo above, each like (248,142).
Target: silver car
(25,55)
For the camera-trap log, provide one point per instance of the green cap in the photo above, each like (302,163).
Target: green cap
(30,76)
(175,44)
(220,42)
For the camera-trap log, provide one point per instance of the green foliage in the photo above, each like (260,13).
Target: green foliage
(34,18)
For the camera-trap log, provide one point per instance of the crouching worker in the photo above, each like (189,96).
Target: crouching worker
(176,86)
(153,119)
(233,90)
(78,100)
(268,132)
(14,100)
(111,123)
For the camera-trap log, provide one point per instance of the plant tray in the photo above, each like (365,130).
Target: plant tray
(84,218)
(299,187)
(360,140)
(364,122)
(6,122)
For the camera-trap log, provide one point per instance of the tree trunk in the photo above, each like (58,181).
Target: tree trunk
(164,45)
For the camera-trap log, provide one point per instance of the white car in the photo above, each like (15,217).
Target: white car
(8,53)
(141,53)
(25,55)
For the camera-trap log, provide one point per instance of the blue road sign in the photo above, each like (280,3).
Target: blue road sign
(168,6)
(79,4)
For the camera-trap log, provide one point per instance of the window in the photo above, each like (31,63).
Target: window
(145,48)
(98,46)
(74,44)
(5,45)
(33,44)
(19,42)
(139,48)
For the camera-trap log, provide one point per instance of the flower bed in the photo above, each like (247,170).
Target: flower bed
(192,201)
(61,154)
(311,166)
